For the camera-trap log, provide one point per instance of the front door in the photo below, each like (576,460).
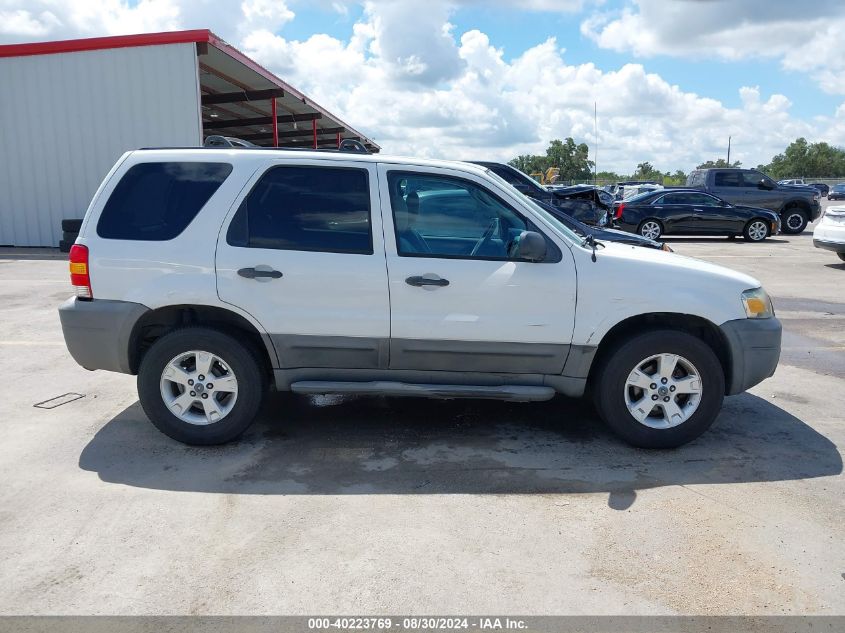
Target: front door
(712,217)
(304,255)
(460,300)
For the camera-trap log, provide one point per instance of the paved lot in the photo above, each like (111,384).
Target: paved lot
(369,505)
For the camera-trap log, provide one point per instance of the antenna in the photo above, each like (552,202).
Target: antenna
(729,151)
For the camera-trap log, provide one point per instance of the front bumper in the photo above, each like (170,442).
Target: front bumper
(98,332)
(755,350)
(815,210)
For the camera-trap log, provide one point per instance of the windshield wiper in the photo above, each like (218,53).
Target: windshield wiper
(591,241)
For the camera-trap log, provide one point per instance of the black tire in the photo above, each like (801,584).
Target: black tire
(645,223)
(64,246)
(242,360)
(72,226)
(609,390)
(753,227)
(69,236)
(793,220)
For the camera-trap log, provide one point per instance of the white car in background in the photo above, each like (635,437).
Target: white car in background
(830,231)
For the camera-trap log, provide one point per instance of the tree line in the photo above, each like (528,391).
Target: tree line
(799,159)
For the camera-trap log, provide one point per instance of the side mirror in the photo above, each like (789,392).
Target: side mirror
(763,185)
(530,246)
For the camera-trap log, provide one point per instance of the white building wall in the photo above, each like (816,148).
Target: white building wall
(66,118)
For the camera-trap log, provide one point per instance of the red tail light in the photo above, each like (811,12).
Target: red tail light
(79,277)
(619,210)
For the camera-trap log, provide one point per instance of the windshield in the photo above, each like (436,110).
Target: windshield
(560,226)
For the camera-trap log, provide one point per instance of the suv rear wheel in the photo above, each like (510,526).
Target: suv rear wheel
(200,386)
(660,389)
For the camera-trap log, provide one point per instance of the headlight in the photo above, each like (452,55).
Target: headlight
(757,304)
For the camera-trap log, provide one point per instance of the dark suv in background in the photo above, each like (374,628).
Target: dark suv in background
(582,203)
(797,205)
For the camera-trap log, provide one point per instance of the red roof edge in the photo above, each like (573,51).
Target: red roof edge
(100,43)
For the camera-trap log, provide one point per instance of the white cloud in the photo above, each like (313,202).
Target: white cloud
(414,84)
(804,39)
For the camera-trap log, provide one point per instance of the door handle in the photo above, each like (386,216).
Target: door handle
(426,280)
(253,273)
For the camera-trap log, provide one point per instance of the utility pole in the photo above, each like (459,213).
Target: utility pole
(729,151)
(596,138)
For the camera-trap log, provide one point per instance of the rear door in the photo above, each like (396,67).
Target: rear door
(676,212)
(302,252)
(728,186)
(459,301)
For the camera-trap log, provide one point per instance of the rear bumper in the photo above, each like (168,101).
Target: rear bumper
(755,350)
(97,333)
(836,247)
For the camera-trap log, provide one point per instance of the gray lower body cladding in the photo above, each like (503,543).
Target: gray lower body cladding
(442,362)
(97,333)
(347,352)
(754,349)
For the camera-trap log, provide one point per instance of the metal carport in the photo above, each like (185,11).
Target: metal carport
(69,109)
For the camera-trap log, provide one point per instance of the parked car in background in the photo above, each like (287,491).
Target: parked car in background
(837,192)
(692,212)
(631,191)
(618,189)
(792,181)
(602,233)
(583,204)
(822,187)
(797,205)
(339,273)
(829,233)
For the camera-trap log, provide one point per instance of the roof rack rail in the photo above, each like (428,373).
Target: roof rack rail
(347,145)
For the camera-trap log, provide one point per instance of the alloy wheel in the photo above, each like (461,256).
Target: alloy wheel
(757,230)
(650,230)
(663,391)
(199,387)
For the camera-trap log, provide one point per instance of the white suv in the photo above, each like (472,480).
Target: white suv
(215,273)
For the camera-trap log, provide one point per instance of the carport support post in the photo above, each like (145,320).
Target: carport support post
(275,122)
(338,140)
(314,127)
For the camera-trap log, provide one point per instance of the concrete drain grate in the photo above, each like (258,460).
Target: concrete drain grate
(58,401)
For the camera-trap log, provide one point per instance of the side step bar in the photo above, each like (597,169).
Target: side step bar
(514,393)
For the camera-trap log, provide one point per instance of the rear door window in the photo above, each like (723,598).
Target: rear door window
(728,179)
(306,208)
(157,201)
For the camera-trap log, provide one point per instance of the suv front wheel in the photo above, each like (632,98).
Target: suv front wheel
(660,389)
(200,386)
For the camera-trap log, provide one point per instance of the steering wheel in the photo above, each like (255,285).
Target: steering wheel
(493,228)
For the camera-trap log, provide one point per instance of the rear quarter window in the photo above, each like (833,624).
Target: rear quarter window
(157,201)
(696,179)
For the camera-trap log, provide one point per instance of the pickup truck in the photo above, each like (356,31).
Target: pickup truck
(796,205)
